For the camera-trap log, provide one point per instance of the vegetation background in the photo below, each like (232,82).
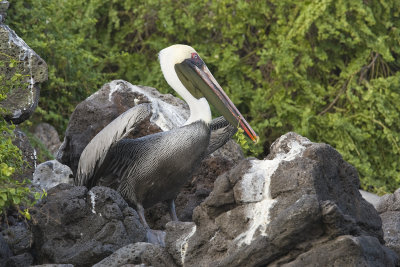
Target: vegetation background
(328,70)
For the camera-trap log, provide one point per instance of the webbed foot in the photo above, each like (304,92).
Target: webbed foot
(156,237)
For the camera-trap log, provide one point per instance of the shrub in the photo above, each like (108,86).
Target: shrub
(328,70)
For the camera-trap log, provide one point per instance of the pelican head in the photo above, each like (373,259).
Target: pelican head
(189,76)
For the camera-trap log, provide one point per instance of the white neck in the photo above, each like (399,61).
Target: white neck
(199,108)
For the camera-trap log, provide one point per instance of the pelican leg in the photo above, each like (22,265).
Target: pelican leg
(140,210)
(172,211)
(153,236)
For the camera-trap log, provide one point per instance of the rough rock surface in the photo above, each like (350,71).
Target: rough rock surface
(74,226)
(22,100)
(48,135)
(51,173)
(28,155)
(389,210)
(300,204)
(114,98)
(139,254)
(5,251)
(18,238)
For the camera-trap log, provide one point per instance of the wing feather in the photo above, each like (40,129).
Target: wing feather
(95,152)
(221,132)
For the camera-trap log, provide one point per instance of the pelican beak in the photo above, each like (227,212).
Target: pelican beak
(197,78)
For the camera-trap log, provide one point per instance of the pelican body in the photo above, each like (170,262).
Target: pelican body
(153,168)
(169,158)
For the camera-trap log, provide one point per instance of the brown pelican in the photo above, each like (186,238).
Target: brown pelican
(153,168)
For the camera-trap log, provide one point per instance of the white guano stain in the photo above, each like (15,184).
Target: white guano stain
(114,86)
(93,201)
(259,212)
(184,244)
(164,115)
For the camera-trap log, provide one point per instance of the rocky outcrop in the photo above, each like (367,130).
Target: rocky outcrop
(300,205)
(5,251)
(23,97)
(74,226)
(389,210)
(17,241)
(139,254)
(114,98)
(51,173)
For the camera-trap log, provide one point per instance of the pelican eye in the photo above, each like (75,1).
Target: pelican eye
(195,56)
(197,60)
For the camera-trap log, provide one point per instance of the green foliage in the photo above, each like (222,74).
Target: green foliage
(328,70)
(12,192)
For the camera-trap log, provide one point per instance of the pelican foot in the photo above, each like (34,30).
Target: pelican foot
(156,237)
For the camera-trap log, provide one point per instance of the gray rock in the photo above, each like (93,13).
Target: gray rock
(74,226)
(5,251)
(51,173)
(345,251)
(309,200)
(389,210)
(139,254)
(114,98)
(22,100)
(48,135)
(389,202)
(28,155)
(18,238)
(176,239)
(53,265)
(21,260)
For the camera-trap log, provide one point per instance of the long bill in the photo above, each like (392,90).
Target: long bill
(197,78)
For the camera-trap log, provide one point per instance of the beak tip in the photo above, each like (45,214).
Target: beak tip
(256,139)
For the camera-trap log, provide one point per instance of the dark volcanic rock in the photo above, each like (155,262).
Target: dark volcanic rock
(345,250)
(18,238)
(139,254)
(73,226)
(389,210)
(114,98)
(22,100)
(5,251)
(28,155)
(299,206)
(21,260)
